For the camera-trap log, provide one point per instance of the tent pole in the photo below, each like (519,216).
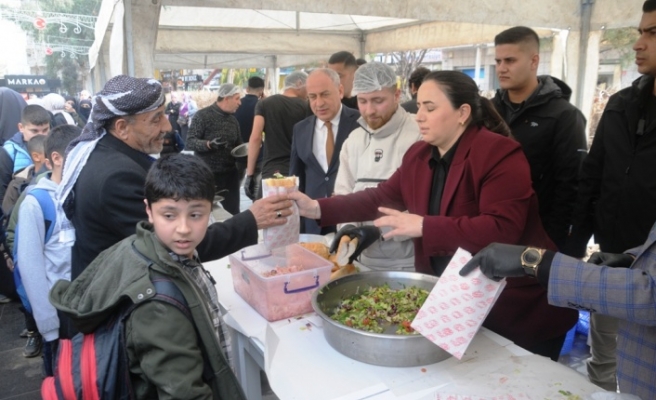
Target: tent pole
(128,37)
(586,16)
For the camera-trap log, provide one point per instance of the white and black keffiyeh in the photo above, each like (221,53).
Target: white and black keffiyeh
(122,95)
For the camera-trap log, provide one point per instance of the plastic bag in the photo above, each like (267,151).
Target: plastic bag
(288,233)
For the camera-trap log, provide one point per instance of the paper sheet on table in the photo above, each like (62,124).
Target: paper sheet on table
(457,306)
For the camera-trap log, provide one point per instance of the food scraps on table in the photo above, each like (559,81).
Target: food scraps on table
(380,307)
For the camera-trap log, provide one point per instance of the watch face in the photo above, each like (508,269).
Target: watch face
(531,256)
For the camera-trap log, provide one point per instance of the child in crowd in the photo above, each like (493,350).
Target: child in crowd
(22,178)
(14,196)
(35,120)
(170,355)
(43,263)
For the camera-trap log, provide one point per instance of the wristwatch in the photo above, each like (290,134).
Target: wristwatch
(531,258)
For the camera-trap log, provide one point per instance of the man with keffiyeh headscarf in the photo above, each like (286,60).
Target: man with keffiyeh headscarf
(102,188)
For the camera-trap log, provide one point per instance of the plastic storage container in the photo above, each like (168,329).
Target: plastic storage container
(282,295)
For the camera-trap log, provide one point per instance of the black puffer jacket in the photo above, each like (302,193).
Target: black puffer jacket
(617,194)
(552,134)
(209,123)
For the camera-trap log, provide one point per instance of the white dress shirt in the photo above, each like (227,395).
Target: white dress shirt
(320,135)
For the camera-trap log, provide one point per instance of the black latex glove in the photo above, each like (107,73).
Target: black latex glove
(611,259)
(497,261)
(249,187)
(216,143)
(366,235)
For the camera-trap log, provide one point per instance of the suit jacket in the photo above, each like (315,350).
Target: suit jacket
(487,198)
(313,180)
(623,293)
(109,201)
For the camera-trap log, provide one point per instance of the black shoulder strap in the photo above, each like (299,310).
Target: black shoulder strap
(168,292)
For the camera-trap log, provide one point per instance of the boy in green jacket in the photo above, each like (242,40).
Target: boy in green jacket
(166,350)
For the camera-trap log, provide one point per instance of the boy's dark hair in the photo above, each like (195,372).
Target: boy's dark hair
(179,177)
(343,57)
(649,6)
(37,144)
(518,35)
(255,82)
(58,139)
(417,76)
(360,61)
(35,115)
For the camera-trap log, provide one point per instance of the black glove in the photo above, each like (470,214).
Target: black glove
(497,261)
(611,260)
(249,187)
(216,143)
(366,235)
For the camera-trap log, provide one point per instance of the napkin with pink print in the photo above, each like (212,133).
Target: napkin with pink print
(457,306)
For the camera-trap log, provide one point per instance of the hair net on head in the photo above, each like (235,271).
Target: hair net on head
(373,76)
(291,79)
(228,89)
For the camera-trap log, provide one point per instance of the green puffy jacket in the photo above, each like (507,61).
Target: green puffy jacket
(165,357)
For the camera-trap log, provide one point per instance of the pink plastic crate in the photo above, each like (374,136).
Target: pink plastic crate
(280,296)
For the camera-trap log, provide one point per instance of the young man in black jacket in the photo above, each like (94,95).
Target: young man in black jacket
(617,194)
(550,129)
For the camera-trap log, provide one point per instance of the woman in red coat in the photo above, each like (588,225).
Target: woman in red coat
(465,185)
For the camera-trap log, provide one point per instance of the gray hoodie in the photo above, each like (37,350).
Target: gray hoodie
(41,265)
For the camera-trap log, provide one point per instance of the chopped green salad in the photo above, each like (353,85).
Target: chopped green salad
(379,307)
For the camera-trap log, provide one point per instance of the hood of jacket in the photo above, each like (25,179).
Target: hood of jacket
(45,184)
(548,87)
(18,139)
(119,275)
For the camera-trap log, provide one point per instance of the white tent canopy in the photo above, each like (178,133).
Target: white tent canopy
(137,36)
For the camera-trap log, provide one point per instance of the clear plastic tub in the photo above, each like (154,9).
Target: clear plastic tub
(283,295)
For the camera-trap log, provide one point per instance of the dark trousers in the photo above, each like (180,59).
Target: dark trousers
(30,323)
(50,356)
(227,186)
(549,348)
(184,129)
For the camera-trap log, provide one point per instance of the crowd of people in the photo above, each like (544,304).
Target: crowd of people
(509,179)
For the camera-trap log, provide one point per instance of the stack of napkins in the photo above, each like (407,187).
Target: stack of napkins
(457,306)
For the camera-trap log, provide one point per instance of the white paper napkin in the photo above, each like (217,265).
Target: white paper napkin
(457,306)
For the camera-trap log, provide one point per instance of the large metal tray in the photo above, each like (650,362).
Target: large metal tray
(389,350)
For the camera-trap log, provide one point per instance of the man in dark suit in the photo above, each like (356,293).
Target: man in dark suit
(318,139)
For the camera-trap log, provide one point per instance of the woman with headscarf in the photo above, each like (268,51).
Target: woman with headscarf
(72,108)
(56,104)
(187,111)
(84,110)
(11,107)
(466,184)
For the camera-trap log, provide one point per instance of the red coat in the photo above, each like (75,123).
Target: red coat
(487,198)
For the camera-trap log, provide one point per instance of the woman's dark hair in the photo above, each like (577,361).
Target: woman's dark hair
(179,177)
(461,89)
(649,6)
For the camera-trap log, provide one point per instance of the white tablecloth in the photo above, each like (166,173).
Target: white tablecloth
(300,364)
